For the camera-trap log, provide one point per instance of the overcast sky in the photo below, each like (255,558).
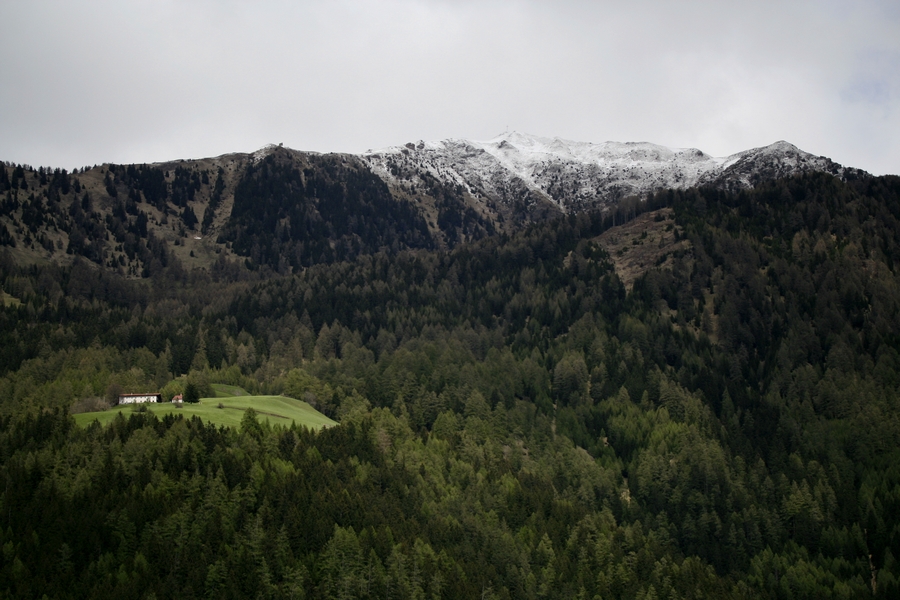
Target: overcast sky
(83,83)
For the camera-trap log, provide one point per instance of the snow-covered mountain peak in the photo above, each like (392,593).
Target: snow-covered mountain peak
(527,149)
(782,146)
(268,149)
(574,176)
(263,152)
(533,148)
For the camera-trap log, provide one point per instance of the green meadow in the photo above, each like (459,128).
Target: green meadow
(225,410)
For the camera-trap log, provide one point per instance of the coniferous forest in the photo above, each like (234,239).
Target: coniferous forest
(517,418)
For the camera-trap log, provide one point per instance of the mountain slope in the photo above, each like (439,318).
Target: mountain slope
(529,173)
(513,423)
(283,209)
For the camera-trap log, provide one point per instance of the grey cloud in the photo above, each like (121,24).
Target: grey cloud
(146,81)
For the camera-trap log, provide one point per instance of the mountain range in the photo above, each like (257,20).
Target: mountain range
(576,176)
(285,209)
(553,375)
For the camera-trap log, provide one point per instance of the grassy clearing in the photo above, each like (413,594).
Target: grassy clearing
(642,244)
(274,409)
(8,300)
(228,391)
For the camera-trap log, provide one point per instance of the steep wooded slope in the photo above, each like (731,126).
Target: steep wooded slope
(513,423)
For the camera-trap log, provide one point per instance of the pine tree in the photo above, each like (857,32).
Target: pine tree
(191,395)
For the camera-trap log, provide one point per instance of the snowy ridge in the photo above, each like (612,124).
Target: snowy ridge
(573,176)
(263,152)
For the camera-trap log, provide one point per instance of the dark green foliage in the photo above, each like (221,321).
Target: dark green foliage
(62,208)
(191,395)
(184,186)
(5,238)
(188,217)
(214,201)
(149,180)
(285,216)
(513,423)
(110,185)
(458,222)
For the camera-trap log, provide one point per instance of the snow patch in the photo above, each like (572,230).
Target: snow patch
(573,175)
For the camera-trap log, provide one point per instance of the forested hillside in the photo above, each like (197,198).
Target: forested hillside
(279,210)
(239,215)
(514,422)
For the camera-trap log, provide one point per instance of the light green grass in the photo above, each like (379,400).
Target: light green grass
(274,409)
(228,391)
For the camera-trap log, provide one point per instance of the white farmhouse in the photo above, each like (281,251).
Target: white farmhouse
(139,398)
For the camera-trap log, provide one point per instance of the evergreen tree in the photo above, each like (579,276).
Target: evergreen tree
(188,217)
(191,394)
